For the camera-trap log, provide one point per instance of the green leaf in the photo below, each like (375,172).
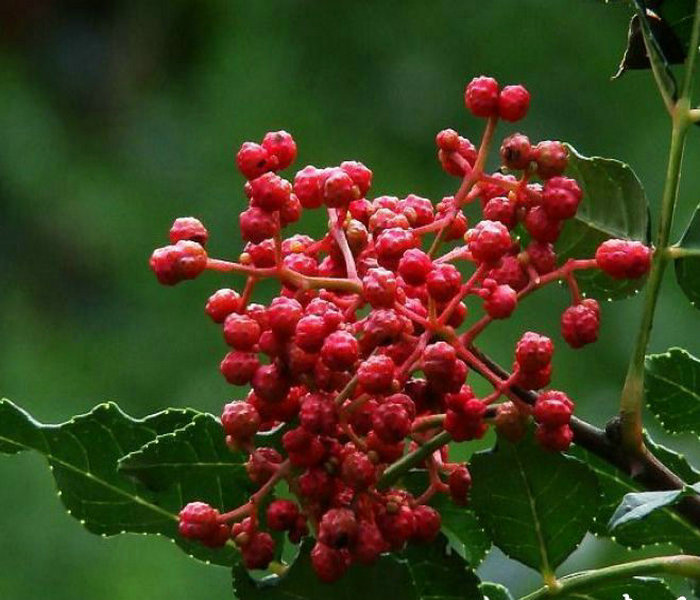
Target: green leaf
(192,463)
(672,389)
(660,526)
(83,454)
(636,588)
(688,267)
(421,572)
(494,591)
(536,505)
(614,206)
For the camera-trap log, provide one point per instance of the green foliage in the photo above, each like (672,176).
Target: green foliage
(663,525)
(672,388)
(636,588)
(433,572)
(614,205)
(537,506)
(192,463)
(688,267)
(637,506)
(83,454)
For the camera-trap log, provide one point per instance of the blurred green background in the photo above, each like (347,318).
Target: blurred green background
(118,116)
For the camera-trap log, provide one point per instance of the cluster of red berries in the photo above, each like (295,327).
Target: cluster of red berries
(360,360)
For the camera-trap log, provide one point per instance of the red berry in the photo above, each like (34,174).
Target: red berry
(419,211)
(339,189)
(623,259)
(270,383)
(516,152)
(318,414)
(328,563)
(510,272)
(535,380)
(253,160)
(379,287)
(542,257)
(513,102)
(444,282)
(198,521)
(447,140)
(427,523)
(555,439)
(338,528)
(376,374)
(257,225)
(262,465)
(511,424)
(561,197)
(303,448)
(359,173)
(467,423)
(459,161)
(553,409)
(391,423)
(397,524)
(481,96)
(580,323)
(340,351)
(173,264)
(501,209)
(282,515)
(282,146)
(284,314)
(239,367)
(308,186)
(501,302)
(310,333)
(541,226)
(552,159)
(439,360)
(414,266)
(459,482)
(241,332)
(357,471)
(369,544)
(315,484)
(240,420)
(270,192)
(189,228)
(259,551)
(488,241)
(391,244)
(222,303)
(534,351)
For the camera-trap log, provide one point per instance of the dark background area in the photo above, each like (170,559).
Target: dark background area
(118,116)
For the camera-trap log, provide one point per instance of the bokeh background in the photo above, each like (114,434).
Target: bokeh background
(118,116)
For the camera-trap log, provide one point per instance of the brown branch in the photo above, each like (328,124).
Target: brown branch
(645,469)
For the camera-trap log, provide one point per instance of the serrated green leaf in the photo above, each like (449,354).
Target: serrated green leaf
(614,206)
(661,526)
(421,572)
(688,267)
(636,588)
(672,390)
(193,462)
(494,591)
(83,454)
(536,505)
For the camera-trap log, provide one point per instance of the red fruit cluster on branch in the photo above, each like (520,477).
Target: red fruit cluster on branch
(364,356)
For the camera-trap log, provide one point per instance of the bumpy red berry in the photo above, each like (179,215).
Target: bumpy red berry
(459,482)
(376,374)
(189,228)
(552,159)
(282,146)
(198,521)
(561,197)
(580,323)
(488,241)
(253,160)
(481,96)
(282,515)
(516,151)
(513,103)
(534,351)
(340,350)
(173,264)
(623,259)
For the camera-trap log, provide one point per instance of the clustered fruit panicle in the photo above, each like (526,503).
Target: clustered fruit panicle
(364,356)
